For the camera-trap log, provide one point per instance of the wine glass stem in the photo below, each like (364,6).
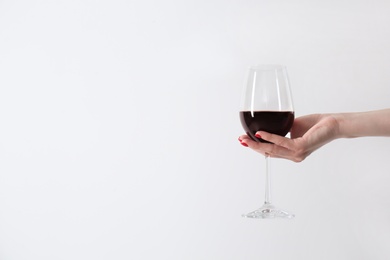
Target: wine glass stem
(267,181)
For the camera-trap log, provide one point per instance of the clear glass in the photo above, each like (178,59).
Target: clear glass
(267,105)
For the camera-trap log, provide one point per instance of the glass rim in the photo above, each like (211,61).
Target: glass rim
(268,67)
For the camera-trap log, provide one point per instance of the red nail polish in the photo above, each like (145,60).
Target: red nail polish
(258,136)
(244,144)
(239,139)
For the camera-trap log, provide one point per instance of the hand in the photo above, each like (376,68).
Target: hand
(308,133)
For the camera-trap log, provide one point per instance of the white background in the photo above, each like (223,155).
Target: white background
(119,125)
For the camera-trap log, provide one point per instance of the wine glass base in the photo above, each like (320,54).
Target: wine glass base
(269,211)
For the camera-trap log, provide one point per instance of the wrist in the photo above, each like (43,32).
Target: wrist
(339,125)
(349,125)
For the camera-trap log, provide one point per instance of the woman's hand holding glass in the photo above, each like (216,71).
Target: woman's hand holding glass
(307,134)
(311,132)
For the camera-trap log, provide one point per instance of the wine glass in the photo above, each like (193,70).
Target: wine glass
(267,105)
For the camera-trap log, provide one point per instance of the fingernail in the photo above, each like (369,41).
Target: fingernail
(258,136)
(244,144)
(239,139)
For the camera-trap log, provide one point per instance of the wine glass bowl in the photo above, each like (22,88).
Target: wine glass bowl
(266,105)
(276,122)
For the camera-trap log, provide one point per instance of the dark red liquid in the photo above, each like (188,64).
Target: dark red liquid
(275,122)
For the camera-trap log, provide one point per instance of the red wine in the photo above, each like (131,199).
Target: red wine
(275,122)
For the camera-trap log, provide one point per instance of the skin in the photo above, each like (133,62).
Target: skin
(311,132)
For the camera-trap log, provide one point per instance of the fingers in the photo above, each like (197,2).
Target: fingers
(280,147)
(269,149)
(246,140)
(276,139)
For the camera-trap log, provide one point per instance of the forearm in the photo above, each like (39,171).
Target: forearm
(373,123)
